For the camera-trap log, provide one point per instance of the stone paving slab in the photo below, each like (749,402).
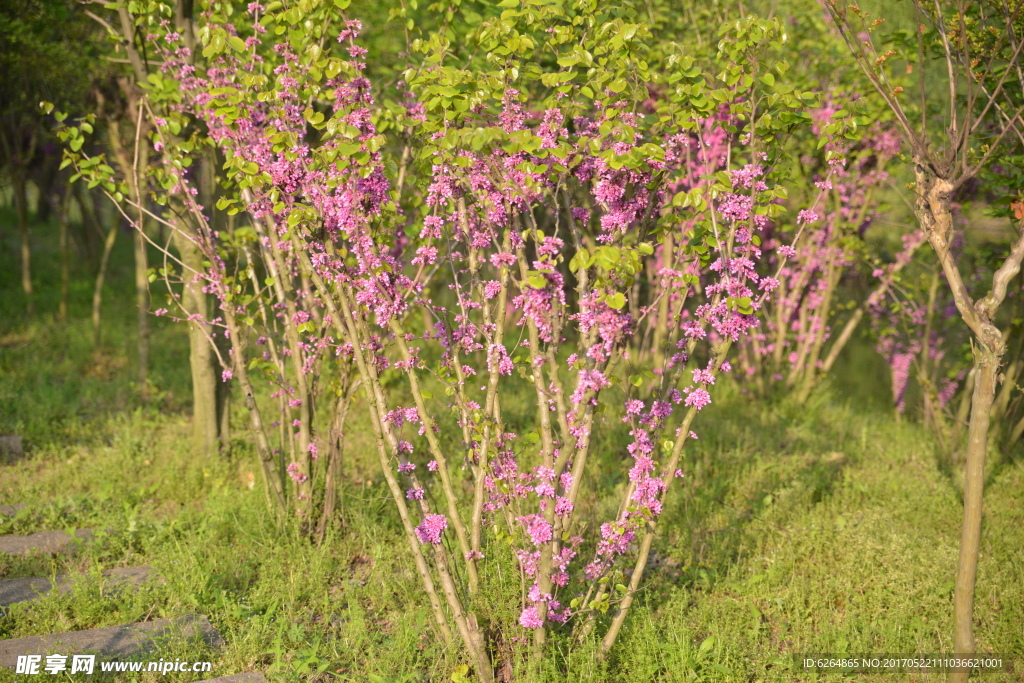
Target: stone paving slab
(31,588)
(112,641)
(247,677)
(44,541)
(11,510)
(11,448)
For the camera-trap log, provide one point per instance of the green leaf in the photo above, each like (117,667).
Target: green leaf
(537,281)
(342,4)
(236,43)
(616,300)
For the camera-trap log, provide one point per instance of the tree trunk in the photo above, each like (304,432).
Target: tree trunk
(986,367)
(133,163)
(141,271)
(91,228)
(661,327)
(1016,433)
(142,304)
(97,292)
(335,451)
(811,370)
(933,209)
(62,218)
(205,417)
(21,206)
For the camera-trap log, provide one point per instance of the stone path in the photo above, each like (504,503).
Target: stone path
(112,641)
(247,677)
(22,590)
(44,541)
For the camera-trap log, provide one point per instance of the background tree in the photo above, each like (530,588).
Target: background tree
(45,54)
(956,134)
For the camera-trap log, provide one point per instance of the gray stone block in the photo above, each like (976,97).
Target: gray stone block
(113,642)
(49,542)
(247,677)
(22,590)
(11,448)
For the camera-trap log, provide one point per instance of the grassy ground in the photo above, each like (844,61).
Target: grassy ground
(826,528)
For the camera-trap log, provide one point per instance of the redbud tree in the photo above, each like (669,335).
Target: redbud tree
(974,134)
(506,224)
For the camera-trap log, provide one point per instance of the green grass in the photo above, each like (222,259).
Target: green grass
(827,528)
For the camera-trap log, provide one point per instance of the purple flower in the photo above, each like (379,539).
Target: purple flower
(563,507)
(430,530)
(530,619)
(537,529)
(544,490)
(703,376)
(807,216)
(502,259)
(698,399)
(295,473)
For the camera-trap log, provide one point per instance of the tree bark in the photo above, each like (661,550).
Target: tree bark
(933,209)
(205,417)
(142,306)
(21,206)
(987,366)
(133,163)
(91,228)
(141,268)
(62,218)
(97,292)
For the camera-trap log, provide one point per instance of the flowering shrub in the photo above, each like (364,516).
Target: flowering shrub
(590,232)
(791,347)
(928,353)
